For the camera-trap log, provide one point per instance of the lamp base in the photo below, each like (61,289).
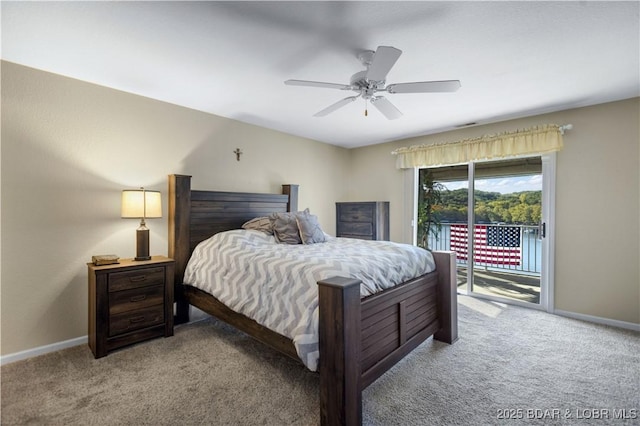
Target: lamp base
(142,244)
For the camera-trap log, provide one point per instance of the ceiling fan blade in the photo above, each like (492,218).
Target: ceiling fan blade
(424,87)
(383,61)
(328,110)
(317,84)
(386,108)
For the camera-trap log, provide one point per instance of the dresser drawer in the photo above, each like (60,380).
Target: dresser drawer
(142,277)
(128,300)
(356,213)
(346,229)
(134,320)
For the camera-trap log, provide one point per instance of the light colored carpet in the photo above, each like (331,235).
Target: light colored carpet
(507,358)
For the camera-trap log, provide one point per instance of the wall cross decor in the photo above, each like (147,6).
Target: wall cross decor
(238,152)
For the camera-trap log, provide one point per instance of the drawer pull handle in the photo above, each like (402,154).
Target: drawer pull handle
(139,298)
(136,319)
(138,278)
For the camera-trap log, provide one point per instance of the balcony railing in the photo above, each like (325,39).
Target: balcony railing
(516,248)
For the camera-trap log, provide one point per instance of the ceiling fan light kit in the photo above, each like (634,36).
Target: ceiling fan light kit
(372,80)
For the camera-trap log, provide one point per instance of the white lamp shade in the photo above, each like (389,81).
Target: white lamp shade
(139,204)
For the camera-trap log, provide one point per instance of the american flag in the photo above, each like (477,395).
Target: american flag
(493,245)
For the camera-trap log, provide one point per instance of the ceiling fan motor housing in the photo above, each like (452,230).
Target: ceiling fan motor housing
(367,88)
(359,80)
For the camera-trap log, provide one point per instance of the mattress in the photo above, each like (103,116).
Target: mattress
(276,284)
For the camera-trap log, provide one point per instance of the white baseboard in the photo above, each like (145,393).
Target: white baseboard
(598,320)
(196,315)
(30,353)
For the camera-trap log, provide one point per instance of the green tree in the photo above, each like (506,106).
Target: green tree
(520,207)
(429,207)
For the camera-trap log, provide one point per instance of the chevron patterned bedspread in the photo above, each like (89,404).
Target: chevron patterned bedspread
(276,284)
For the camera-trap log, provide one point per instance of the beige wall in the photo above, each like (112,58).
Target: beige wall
(69,148)
(597,203)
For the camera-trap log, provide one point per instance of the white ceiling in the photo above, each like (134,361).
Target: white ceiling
(513,59)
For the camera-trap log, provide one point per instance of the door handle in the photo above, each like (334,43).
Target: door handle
(543,230)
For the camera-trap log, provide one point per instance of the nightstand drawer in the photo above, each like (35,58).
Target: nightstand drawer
(134,320)
(128,300)
(141,277)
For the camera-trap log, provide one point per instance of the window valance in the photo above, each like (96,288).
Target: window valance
(535,140)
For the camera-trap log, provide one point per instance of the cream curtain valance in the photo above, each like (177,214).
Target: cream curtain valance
(536,140)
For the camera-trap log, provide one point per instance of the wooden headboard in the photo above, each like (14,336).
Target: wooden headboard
(195,216)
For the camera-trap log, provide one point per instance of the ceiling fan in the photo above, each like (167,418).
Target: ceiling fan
(369,82)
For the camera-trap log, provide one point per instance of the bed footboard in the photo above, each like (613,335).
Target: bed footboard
(361,339)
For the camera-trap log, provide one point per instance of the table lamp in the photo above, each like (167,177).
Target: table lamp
(141,204)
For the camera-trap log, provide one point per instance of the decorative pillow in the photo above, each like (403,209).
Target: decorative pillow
(259,224)
(310,231)
(285,228)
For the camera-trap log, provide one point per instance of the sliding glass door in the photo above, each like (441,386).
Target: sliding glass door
(491,214)
(506,227)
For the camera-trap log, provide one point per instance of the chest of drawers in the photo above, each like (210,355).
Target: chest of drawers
(364,220)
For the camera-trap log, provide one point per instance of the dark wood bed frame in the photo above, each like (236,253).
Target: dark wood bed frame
(360,339)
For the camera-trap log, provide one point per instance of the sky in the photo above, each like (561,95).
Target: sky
(503,185)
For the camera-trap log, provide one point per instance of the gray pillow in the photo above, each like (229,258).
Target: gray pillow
(310,231)
(259,224)
(285,228)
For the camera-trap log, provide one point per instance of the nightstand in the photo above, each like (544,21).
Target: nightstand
(129,302)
